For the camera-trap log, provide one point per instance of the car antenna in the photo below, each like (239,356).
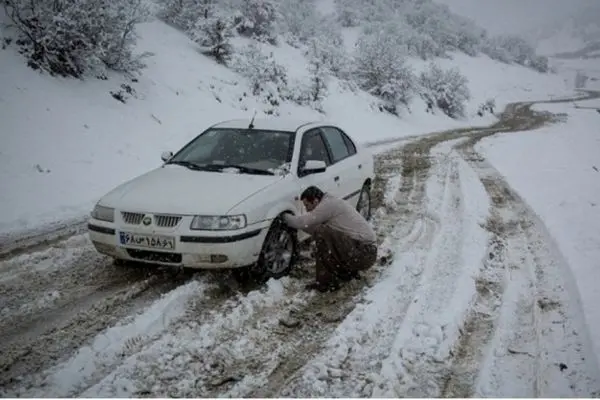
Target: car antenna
(251,126)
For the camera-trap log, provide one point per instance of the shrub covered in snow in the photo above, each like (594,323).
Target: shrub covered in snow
(381,70)
(319,69)
(349,14)
(447,90)
(263,72)
(250,18)
(299,21)
(257,19)
(184,14)
(447,30)
(541,64)
(488,106)
(514,49)
(328,47)
(429,29)
(421,45)
(77,37)
(213,33)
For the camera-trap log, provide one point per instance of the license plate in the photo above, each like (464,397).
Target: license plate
(148,241)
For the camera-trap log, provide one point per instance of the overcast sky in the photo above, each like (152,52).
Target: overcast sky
(505,16)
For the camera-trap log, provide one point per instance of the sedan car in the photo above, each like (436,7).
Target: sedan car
(217,202)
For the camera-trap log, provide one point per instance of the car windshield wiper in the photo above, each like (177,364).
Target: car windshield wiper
(241,168)
(188,164)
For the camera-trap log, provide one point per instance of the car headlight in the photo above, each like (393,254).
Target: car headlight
(218,222)
(103,213)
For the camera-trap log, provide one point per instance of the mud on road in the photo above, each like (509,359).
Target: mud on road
(56,301)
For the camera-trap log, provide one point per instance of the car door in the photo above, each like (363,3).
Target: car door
(345,166)
(313,147)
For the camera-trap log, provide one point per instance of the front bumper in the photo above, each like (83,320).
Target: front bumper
(193,249)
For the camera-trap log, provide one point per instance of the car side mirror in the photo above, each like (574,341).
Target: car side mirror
(314,167)
(166,155)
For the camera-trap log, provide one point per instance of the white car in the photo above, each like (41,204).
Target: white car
(216,202)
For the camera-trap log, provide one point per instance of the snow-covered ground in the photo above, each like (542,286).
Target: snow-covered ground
(476,302)
(67,142)
(556,170)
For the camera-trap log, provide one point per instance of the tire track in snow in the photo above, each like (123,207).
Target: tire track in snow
(504,334)
(95,360)
(193,300)
(90,294)
(503,310)
(15,244)
(565,367)
(199,354)
(423,342)
(521,308)
(60,332)
(481,323)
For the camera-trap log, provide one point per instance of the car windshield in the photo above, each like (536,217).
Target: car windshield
(243,150)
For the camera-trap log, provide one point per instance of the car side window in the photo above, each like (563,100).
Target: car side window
(337,143)
(313,148)
(349,144)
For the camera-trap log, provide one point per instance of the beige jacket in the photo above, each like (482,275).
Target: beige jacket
(337,214)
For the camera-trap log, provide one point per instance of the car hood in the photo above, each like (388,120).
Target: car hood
(174,189)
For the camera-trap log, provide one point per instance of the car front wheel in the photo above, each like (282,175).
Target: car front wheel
(277,256)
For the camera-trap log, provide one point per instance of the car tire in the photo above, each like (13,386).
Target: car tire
(261,271)
(364,196)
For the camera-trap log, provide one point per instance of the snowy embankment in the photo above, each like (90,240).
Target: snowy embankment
(556,170)
(66,142)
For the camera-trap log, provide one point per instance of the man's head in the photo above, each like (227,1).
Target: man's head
(311,196)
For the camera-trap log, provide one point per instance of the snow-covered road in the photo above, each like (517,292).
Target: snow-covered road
(470,298)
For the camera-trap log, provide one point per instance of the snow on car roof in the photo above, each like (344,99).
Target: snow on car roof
(275,124)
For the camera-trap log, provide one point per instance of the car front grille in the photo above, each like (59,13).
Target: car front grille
(160,220)
(132,218)
(167,221)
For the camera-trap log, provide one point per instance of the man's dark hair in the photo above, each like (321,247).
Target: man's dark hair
(311,194)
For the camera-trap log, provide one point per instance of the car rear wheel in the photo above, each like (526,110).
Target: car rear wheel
(277,256)
(363,206)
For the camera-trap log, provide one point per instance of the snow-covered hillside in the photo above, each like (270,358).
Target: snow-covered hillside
(66,142)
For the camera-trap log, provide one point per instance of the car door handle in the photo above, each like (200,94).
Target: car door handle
(337,178)
(359,166)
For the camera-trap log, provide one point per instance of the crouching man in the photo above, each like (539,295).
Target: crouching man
(345,241)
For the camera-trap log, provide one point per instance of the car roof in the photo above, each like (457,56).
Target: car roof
(275,124)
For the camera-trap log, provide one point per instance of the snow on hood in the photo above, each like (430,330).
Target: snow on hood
(175,189)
